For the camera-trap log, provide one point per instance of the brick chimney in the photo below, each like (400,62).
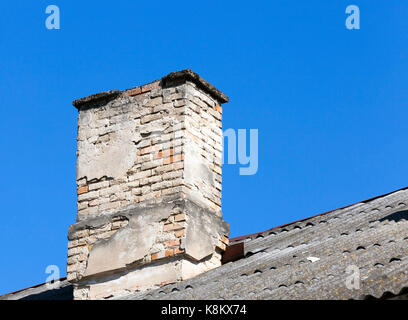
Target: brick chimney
(149,187)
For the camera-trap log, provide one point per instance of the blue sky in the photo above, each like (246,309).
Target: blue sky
(330,105)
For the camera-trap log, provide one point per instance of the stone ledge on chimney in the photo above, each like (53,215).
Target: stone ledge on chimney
(115,247)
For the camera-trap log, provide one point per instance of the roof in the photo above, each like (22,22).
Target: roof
(42,292)
(306,259)
(309,259)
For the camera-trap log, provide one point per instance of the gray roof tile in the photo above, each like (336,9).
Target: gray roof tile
(372,235)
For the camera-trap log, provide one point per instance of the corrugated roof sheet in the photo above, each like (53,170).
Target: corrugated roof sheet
(308,259)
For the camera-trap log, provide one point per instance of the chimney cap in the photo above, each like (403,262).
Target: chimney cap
(188,74)
(183,75)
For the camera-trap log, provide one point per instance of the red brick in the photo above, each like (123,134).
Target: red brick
(169,253)
(172,243)
(171,159)
(135,91)
(82,190)
(150,86)
(218,108)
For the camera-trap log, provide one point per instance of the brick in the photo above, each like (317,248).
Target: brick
(170,191)
(149,165)
(170,220)
(72,267)
(164,153)
(81,182)
(82,190)
(82,205)
(172,243)
(109,205)
(172,227)
(99,185)
(218,108)
(150,86)
(217,169)
(93,203)
(169,253)
(161,185)
(180,103)
(162,107)
(150,117)
(135,91)
(163,169)
(72,244)
(155,179)
(158,255)
(178,166)
(72,259)
(71,276)
(141,175)
(88,196)
(175,158)
(172,175)
(82,257)
(146,150)
(86,212)
(109,191)
(180,217)
(179,233)
(137,191)
(80,234)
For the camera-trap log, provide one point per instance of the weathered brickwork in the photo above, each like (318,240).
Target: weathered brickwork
(164,127)
(169,240)
(180,269)
(81,243)
(149,187)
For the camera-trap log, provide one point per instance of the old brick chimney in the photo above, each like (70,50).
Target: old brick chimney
(149,187)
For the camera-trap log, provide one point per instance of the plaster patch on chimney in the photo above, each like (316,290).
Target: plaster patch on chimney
(204,232)
(128,245)
(81,241)
(112,158)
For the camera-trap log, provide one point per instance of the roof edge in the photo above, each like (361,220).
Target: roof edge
(239,238)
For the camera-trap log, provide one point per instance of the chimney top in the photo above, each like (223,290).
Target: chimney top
(173,77)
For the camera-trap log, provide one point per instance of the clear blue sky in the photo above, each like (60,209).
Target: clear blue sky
(330,104)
